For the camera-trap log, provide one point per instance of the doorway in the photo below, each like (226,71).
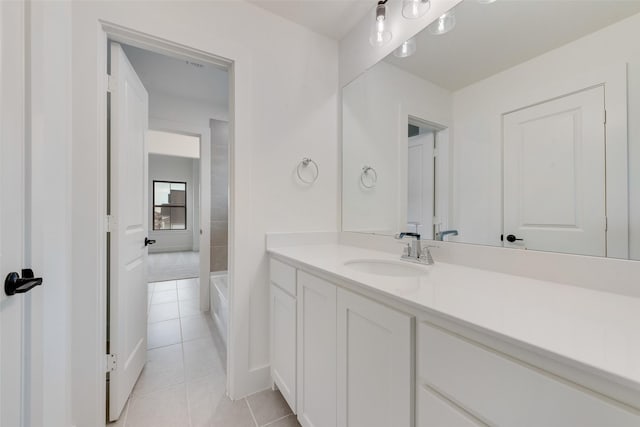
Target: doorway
(427,178)
(160,199)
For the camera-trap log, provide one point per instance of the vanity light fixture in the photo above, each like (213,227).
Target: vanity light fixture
(380,34)
(414,9)
(443,24)
(406,49)
(486,1)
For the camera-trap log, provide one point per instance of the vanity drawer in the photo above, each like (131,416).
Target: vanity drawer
(436,411)
(501,391)
(284,276)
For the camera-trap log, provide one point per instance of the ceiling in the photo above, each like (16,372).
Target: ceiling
(191,80)
(489,38)
(333,18)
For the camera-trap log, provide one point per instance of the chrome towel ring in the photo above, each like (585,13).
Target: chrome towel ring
(368,177)
(306,161)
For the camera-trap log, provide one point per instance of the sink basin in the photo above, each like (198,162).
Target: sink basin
(387,267)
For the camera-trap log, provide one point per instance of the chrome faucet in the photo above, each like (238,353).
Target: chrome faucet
(440,235)
(414,252)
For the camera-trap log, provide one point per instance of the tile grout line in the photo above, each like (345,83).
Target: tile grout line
(278,419)
(251,412)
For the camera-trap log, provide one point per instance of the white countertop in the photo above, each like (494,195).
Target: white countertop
(598,330)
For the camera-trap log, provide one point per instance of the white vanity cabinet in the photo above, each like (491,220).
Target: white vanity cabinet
(375,364)
(491,388)
(283,330)
(316,351)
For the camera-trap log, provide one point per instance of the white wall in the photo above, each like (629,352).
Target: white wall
(477,130)
(376,109)
(182,169)
(285,84)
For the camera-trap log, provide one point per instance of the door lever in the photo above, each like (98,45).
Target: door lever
(13,284)
(148,241)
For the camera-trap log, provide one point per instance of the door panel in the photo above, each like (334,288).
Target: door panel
(129,219)
(421,185)
(12,213)
(375,364)
(316,403)
(554,175)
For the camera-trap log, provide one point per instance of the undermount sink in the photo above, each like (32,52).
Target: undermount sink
(387,267)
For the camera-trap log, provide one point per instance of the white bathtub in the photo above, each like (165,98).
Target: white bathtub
(219,302)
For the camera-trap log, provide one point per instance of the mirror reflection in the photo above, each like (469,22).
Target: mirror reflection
(512,123)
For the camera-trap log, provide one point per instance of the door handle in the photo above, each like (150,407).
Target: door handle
(148,241)
(14,284)
(511,238)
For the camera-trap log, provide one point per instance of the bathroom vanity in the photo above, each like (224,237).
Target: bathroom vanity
(446,345)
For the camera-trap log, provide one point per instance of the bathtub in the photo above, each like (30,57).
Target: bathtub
(219,302)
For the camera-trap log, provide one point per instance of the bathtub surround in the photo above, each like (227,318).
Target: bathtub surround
(219,195)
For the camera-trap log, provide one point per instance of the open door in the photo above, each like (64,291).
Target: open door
(554,175)
(128,225)
(13,309)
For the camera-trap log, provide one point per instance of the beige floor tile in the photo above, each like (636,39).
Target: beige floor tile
(201,359)
(203,396)
(288,421)
(196,327)
(164,333)
(164,368)
(232,414)
(164,296)
(164,311)
(268,406)
(165,286)
(190,308)
(163,408)
(188,293)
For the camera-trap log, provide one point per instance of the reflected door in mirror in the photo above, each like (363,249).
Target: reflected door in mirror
(554,175)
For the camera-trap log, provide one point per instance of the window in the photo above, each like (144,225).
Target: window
(169,205)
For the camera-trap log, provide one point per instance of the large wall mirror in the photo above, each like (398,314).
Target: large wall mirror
(514,123)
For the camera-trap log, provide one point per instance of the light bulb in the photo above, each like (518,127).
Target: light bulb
(413,9)
(486,1)
(380,34)
(406,49)
(443,24)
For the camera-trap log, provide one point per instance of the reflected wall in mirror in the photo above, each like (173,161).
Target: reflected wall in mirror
(520,127)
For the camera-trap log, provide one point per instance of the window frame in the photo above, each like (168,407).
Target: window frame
(154,206)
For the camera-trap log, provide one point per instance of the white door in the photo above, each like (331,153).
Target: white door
(316,403)
(554,175)
(375,364)
(421,185)
(14,405)
(129,217)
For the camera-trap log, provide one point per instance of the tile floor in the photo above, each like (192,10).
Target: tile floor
(183,382)
(172,266)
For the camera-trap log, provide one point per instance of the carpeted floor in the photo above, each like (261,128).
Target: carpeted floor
(173,266)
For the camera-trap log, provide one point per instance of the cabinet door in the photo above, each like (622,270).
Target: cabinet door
(283,344)
(436,411)
(375,364)
(316,351)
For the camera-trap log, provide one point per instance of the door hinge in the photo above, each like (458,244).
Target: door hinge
(111,83)
(111,362)
(606,223)
(604,120)
(436,152)
(108,223)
